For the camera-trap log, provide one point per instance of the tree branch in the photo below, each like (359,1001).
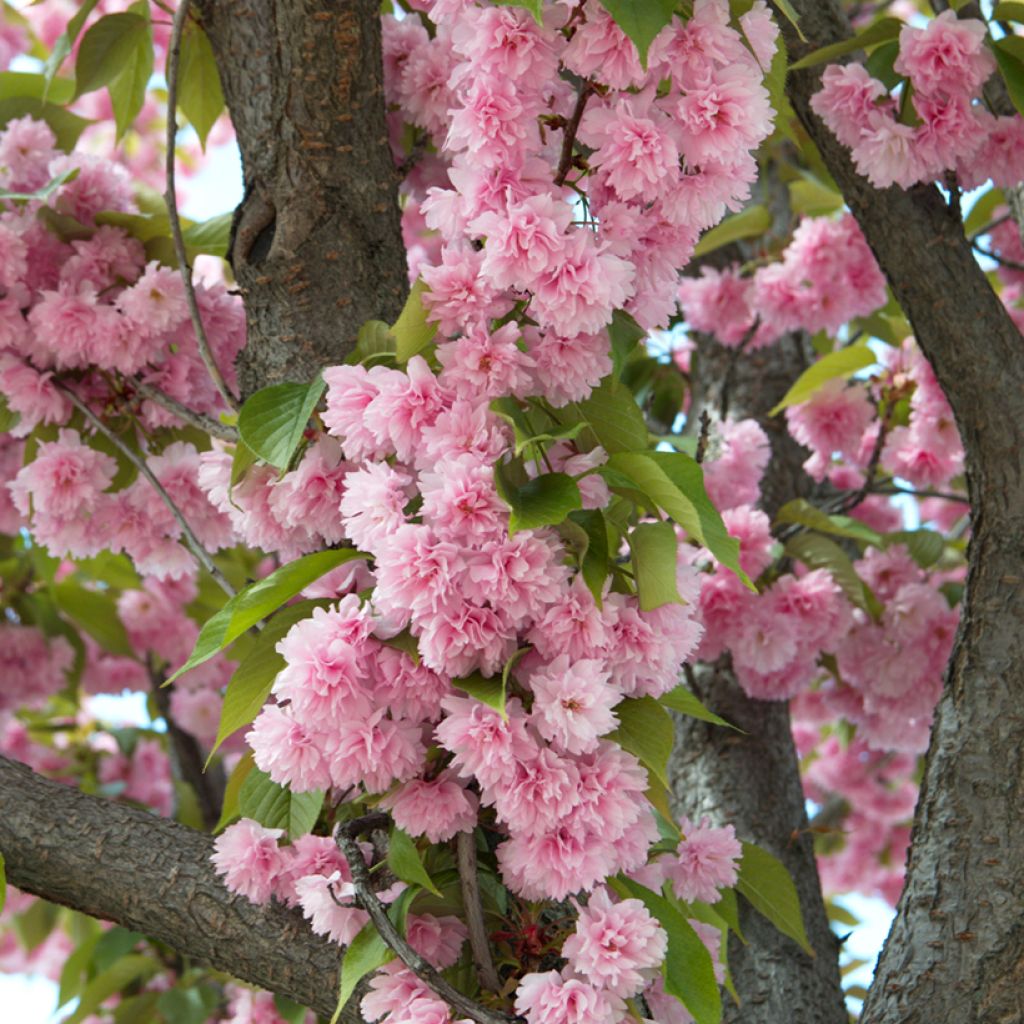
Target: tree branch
(121,864)
(210,426)
(465,854)
(171,199)
(369,901)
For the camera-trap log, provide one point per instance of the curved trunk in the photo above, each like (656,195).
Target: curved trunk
(956,948)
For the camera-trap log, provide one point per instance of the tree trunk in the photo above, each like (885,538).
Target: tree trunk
(316,245)
(956,948)
(753,781)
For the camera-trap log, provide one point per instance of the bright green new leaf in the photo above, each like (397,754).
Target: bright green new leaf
(233,790)
(1009,53)
(809,197)
(274,806)
(66,126)
(209,237)
(128,87)
(129,969)
(1009,10)
(543,501)
(686,475)
(111,44)
(25,83)
(880,31)
(925,546)
(842,363)
(96,613)
(818,552)
(250,685)
(61,50)
(614,417)
(654,563)
(405,861)
(792,17)
(645,730)
(641,20)
(199,92)
(256,602)
(412,331)
(752,222)
(766,884)
(488,691)
(680,699)
(273,420)
(367,952)
(983,211)
(803,513)
(688,969)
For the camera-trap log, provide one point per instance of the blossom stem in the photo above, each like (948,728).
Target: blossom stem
(465,851)
(170,198)
(191,541)
(183,412)
(565,161)
(345,837)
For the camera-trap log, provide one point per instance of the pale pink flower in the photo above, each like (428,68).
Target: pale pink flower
(437,809)
(247,855)
(572,703)
(553,998)
(705,860)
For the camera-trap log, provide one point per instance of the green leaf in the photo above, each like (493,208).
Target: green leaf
(651,480)
(645,730)
(881,64)
(680,699)
(74,969)
(232,791)
(8,419)
(751,222)
(96,613)
(818,552)
(111,44)
(842,363)
(880,31)
(113,945)
(375,339)
(61,50)
(804,513)
(766,884)
(810,198)
(641,20)
(594,564)
(925,546)
(274,806)
(250,684)
(199,92)
(654,562)
(488,691)
(43,193)
(405,861)
(613,415)
(65,126)
(241,462)
(183,1006)
(792,17)
(209,237)
(367,952)
(543,501)
(411,330)
(625,334)
(273,420)
(126,971)
(24,83)
(1009,53)
(1008,11)
(983,211)
(128,88)
(292,1012)
(688,968)
(687,475)
(535,7)
(256,602)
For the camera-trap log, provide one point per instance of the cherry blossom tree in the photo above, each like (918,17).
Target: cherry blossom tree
(565,524)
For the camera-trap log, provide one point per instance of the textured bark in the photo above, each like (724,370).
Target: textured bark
(154,876)
(316,248)
(753,781)
(956,948)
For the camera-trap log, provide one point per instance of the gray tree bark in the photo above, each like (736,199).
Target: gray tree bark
(752,781)
(956,948)
(316,245)
(152,875)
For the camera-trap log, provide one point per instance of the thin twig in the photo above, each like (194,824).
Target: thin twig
(730,369)
(565,160)
(990,226)
(170,197)
(197,549)
(465,850)
(944,495)
(183,412)
(369,901)
(705,433)
(852,500)
(1001,260)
